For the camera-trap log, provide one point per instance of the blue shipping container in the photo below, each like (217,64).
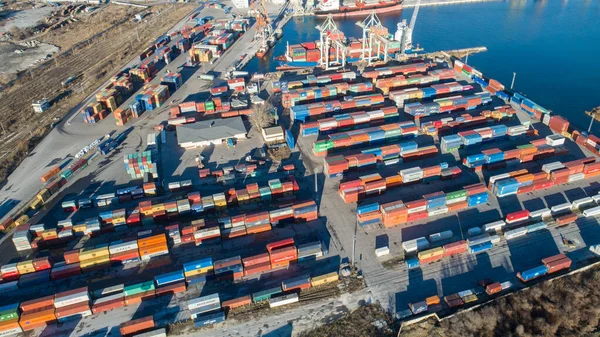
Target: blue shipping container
(198,264)
(533,273)
(169,278)
(367,208)
(209,319)
(482,247)
(412,263)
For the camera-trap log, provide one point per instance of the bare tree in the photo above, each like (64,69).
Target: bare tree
(261,117)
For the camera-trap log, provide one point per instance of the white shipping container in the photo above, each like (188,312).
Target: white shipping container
(581,202)
(495,239)
(596,198)
(283,300)
(437,211)
(123,247)
(546,119)
(415,245)
(497,177)
(515,233)
(203,301)
(494,226)
(561,207)
(206,233)
(552,166)
(592,211)
(506,285)
(150,256)
(8,268)
(540,213)
(10,332)
(555,140)
(465,293)
(71,299)
(479,239)
(417,209)
(441,236)
(576,177)
(456,200)
(382,251)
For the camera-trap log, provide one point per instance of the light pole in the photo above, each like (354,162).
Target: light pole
(513,81)
(354,242)
(592,116)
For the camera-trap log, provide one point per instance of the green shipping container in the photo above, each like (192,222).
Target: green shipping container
(209,105)
(9,312)
(138,288)
(265,295)
(456,195)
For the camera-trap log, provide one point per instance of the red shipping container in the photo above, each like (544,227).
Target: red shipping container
(107,306)
(517,216)
(71,256)
(137,325)
(237,302)
(455,248)
(171,289)
(417,216)
(256,259)
(258,268)
(72,309)
(558,124)
(285,242)
(493,288)
(555,263)
(42,263)
(284,254)
(526,189)
(37,303)
(566,219)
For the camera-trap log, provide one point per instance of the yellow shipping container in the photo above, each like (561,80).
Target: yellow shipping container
(79,228)
(49,233)
(22,220)
(158,207)
(118,220)
(88,254)
(426,254)
(199,222)
(197,272)
(221,203)
(444,103)
(94,262)
(25,267)
(470,298)
(36,204)
(324,279)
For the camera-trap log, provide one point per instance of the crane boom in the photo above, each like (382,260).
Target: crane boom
(413,19)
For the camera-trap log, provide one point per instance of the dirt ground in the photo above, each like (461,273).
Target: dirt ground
(94,56)
(366,321)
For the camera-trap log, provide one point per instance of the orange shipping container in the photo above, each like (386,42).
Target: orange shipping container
(35,317)
(237,302)
(153,249)
(137,325)
(153,240)
(38,303)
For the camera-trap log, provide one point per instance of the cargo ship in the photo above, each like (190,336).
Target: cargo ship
(357,7)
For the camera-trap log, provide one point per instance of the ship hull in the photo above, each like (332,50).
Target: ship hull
(349,12)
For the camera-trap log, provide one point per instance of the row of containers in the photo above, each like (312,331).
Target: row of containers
(411,68)
(108,99)
(536,149)
(448,104)
(555,173)
(433,204)
(141,164)
(483,238)
(447,125)
(349,121)
(434,304)
(336,165)
(294,96)
(150,97)
(557,124)
(589,141)
(81,302)
(386,133)
(305,112)
(312,80)
(280,254)
(480,135)
(550,265)
(412,94)
(375,184)
(56,177)
(387,85)
(198,232)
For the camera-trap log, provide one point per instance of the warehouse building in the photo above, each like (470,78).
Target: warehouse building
(214,131)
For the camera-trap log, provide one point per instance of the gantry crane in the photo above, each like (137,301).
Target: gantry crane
(405,31)
(263,23)
(375,38)
(331,36)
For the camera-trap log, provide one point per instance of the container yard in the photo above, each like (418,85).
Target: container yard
(418,180)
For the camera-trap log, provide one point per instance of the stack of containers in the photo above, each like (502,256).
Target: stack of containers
(153,246)
(305,211)
(124,252)
(256,264)
(173,81)
(110,300)
(348,120)
(296,283)
(9,319)
(174,234)
(321,79)
(204,305)
(72,304)
(442,105)
(138,164)
(376,73)
(372,135)
(37,313)
(63,270)
(281,253)
(303,112)
(152,96)
(94,258)
(401,96)
(207,235)
(136,293)
(22,238)
(432,76)
(109,98)
(229,269)
(197,269)
(294,96)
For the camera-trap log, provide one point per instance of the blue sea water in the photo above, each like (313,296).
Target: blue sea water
(553,46)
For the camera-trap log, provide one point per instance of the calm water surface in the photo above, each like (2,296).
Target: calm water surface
(553,46)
